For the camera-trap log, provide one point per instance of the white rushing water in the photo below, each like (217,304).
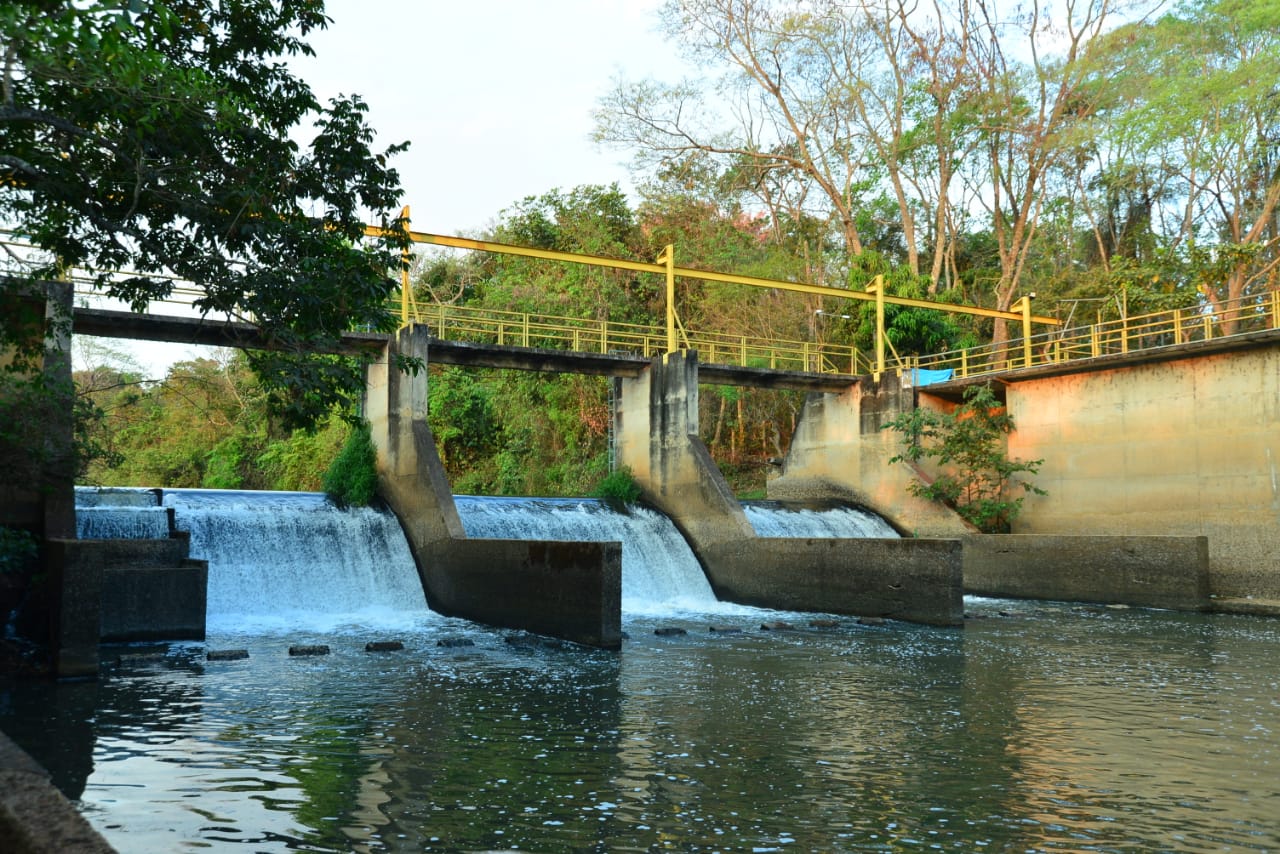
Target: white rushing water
(774,519)
(659,571)
(281,559)
(278,560)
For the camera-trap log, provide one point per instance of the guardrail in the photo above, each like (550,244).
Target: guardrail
(1125,335)
(516,329)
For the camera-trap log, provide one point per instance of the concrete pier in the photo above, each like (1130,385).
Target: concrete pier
(567,590)
(656,429)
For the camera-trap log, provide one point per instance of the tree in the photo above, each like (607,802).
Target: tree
(1204,105)
(975,474)
(157,136)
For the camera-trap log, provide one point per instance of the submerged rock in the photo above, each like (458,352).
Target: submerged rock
(776,626)
(309,649)
(531,641)
(824,624)
(226,654)
(669,631)
(384,646)
(454,643)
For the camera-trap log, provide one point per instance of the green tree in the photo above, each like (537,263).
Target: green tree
(967,447)
(352,480)
(158,136)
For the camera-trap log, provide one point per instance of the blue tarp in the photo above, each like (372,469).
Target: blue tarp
(922,376)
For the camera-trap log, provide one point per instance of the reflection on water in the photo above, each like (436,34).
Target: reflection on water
(1057,728)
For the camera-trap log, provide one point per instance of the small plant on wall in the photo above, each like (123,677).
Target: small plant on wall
(967,447)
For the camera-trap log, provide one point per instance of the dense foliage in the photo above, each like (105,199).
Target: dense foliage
(1115,157)
(158,136)
(207,423)
(352,479)
(1119,152)
(970,469)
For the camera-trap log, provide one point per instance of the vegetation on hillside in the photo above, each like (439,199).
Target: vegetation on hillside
(1126,163)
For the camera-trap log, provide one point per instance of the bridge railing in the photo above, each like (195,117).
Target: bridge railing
(519,329)
(1125,335)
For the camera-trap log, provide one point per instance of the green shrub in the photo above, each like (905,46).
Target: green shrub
(352,480)
(618,485)
(17,547)
(976,476)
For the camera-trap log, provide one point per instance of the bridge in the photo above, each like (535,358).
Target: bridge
(839,452)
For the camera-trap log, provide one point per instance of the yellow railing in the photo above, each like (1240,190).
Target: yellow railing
(1125,335)
(516,329)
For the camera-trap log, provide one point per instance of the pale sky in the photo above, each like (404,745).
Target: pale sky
(495,98)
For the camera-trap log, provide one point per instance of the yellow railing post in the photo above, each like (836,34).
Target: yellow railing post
(668,257)
(877,288)
(406,292)
(1024,305)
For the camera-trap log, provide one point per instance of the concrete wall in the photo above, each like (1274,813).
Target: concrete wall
(656,430)
(916,580)
(840,451)
(35,818)
(1187,447)
(1151,572)
(123,590)
(567,590)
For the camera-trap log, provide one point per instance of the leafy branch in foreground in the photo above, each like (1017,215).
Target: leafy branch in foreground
(968,448)
(159,138)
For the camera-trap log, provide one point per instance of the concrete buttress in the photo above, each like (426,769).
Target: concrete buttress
(567,590)
(657,438)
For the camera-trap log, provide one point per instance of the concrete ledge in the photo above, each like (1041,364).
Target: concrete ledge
(35,818)
(1151,572)
(567,590)
(155,602)
(917,580)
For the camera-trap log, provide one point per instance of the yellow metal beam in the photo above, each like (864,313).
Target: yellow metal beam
(703,275)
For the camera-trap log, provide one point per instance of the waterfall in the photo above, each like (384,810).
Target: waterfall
(120,514)
(280,559)
(277,559)
(659,570)
(775,519)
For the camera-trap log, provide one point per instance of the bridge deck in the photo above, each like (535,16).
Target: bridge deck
(186,330)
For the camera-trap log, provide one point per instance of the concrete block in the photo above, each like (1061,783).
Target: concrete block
(1153,572)
(154,602)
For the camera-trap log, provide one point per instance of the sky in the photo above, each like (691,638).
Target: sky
(495,99)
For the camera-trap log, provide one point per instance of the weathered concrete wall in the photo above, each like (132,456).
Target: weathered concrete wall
(1151,572)
(155,602)
(123,590)
(656,429)
(1187,447)
(34,816)
(567,590)
(840,451)
(75,617)
(916,580)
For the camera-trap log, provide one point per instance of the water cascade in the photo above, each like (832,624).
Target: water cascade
(283,558)
(659,570)
(277,559)
(775,519)
(120,514)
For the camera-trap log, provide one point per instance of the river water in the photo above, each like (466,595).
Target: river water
(1035,727)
